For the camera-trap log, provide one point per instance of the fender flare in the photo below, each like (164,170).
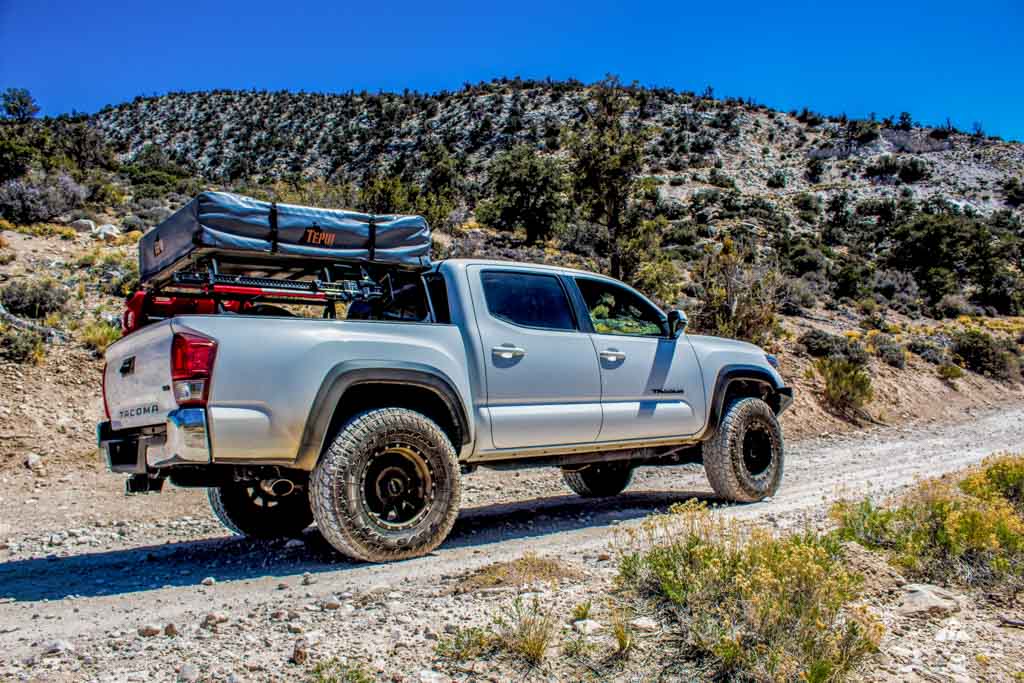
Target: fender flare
(782,396)
(348,374)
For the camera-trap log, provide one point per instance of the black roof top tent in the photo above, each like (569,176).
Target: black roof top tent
(249,236)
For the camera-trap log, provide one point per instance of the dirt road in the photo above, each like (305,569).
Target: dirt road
(73,599)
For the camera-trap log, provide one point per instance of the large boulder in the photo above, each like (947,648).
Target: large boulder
(84,225)
(921,599)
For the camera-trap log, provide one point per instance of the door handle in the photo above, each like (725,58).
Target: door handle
(508,352)
(612,355)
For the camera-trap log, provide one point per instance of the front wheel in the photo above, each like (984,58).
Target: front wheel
(601,479)
(388,487)
(252,509)
(744,457)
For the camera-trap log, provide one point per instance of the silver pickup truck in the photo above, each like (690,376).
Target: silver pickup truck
(366,425)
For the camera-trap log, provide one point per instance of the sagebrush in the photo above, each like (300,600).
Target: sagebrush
(749,605)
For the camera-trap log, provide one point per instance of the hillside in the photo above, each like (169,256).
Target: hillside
(228,136)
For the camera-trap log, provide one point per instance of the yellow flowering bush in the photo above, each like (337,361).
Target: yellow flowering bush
(971,532)
(750,604)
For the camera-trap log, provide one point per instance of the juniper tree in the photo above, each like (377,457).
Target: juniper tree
(526,191)
(19,104)
(607,158)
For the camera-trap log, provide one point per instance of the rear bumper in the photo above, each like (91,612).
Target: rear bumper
(182,440)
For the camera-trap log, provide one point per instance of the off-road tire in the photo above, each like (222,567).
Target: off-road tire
(342,502)
(744,457)
(602,479)
(276,517)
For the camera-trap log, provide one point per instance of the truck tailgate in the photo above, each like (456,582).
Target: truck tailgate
(137,380)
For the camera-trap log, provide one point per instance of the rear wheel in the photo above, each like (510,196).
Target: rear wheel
(254,509)
(601,479)
(388,487)
(744,458)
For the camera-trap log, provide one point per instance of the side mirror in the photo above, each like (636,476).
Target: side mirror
(677,322)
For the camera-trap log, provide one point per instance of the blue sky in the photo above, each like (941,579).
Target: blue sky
(933,59)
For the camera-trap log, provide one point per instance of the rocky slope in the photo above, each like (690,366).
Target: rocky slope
(231,135)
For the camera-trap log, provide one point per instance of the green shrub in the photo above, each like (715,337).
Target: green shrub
(335,671)
(721,179)
(928,351)
(34,298)
(750,605)
(777,180)
(739,295)
(981,353)
(1014,190)
(466,644)
(847,384)
(942,532)
(953,306)
(795,296)
(863,131)
(949,372)
(821,344)
(815,170)
(913,171)
(99,335)
(21,346)
(890,351)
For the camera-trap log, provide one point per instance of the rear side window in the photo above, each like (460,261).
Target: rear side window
(528,299)
(438,297)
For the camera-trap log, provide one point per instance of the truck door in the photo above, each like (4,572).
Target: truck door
(651,384)
(543,380)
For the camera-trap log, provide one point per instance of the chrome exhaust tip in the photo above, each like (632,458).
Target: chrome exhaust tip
(278,488)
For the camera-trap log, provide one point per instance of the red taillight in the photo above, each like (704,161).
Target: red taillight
(134,313)
(103,385)
(192,359)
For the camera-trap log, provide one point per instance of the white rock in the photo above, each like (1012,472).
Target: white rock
(84,225)
(587,626)
(952,635)
(106,232)
(644,624)
(924,599)
(208,581)
(33,461)
(189,673)
(214,618)
(429,676)
(56,647)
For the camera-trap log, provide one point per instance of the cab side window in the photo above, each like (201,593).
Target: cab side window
(617,310)
(527,299)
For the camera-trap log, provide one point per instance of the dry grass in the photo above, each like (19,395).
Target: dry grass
(47,230)
(466,644)
(527,570)
(334,671)
(99,335)
(526,631)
